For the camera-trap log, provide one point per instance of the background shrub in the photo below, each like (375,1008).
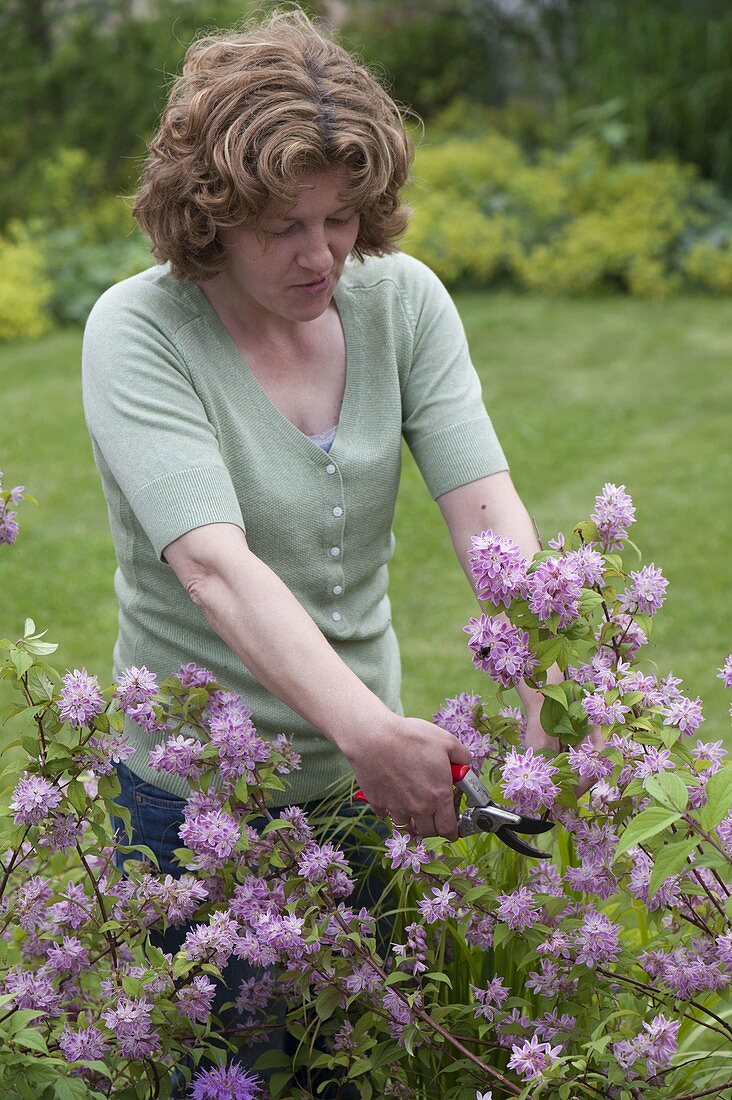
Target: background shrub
(571,221)
(24,289)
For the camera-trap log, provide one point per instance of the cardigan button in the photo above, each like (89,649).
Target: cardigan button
(330,468)
(337,589)
(335,551)
(336,616)
(337,511)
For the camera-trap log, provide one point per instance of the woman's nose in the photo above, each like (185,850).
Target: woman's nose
(315,253)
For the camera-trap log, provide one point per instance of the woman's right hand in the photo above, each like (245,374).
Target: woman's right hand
(403,768)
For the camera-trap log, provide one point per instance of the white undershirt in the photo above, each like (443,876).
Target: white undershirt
(325,439)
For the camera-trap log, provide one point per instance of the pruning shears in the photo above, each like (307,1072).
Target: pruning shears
(482,815)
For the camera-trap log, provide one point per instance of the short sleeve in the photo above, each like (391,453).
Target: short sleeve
(444,420)
(149,426)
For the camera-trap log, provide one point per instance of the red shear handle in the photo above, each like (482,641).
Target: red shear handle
(459,771)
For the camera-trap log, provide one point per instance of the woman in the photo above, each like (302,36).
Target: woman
(246,401)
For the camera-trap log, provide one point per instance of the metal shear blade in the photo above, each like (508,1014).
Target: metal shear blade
(485,819)
(483,815)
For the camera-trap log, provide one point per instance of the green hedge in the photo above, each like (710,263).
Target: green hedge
(572,221)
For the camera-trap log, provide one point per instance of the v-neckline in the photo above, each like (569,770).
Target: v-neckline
(260,395)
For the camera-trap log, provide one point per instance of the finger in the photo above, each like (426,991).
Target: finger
(446,822)
(458,753)
(425,825)
(380,811)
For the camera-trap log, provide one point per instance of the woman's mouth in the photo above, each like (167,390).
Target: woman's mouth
(316,287)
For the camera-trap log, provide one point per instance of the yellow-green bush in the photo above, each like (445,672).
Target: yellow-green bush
(469,168)
(572,221)
(24,289)
(453,237)
(710,265)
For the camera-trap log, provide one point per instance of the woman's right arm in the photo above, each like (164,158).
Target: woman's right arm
(402,764)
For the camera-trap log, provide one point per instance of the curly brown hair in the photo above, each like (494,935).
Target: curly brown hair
(253,110)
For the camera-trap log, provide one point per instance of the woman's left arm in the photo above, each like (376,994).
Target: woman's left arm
(492,502)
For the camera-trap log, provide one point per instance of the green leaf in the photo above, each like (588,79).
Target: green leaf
(22,1017)
(131,986)
(361,1065)
(21,660)
(327,1002)
(144,851)
(41,648)
(273,783)
(110,926)
(668,789)
(554,691)
(272,1059)
(70,1089)
(30,744)
(397,976)
(10,712)
(551,715)
(548,651)
(278,1082)
(366,1089)
(77,796)
(719,798)
(409,1037)
(31,1039)
(501,932)
(278,823)
(646,825)
(475,893)
(108,786)
(438,976)
(589,600)
(98,1067)
(669,861)
(29,628)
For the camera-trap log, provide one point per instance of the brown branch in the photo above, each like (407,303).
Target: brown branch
(706,1092)
(100,903)
(696,827)
(13,862)
(705,888)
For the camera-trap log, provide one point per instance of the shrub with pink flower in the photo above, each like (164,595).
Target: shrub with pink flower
(604,968)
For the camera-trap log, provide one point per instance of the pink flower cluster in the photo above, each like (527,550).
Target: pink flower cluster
(614,513)
(656,1044)
(498,567)
(457,716)
(8,520)
(527,781)
(500,649)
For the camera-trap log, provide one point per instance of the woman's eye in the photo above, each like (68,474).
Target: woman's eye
(291,228)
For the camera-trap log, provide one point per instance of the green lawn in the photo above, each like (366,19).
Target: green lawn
(581,392)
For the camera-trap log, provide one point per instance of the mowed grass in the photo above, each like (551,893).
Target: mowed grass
(581,392)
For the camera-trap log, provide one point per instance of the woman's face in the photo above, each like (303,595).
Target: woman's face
(289,265)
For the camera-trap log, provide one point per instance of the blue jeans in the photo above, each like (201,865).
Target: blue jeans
(156,817)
